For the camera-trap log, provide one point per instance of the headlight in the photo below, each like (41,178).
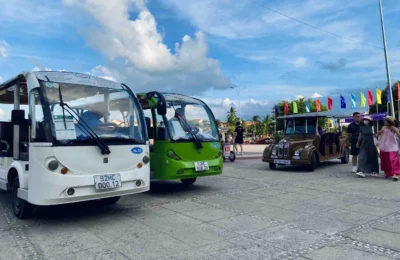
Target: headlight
(298,152)
(308,145)
(274,152)
(146,159)
(53,165)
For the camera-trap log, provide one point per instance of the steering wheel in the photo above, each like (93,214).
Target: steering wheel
(195,130)
(109,127)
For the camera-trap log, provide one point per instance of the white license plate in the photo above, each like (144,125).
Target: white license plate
(107,181)
(201,166)
(282,161)
(227,150)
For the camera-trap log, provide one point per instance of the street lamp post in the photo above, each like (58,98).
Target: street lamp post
(387,62)
(240,110)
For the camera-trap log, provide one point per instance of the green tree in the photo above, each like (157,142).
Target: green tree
(232,116)
(267,121)
(256,121)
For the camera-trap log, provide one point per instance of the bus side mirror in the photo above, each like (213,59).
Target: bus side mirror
(161,108)
(18,117)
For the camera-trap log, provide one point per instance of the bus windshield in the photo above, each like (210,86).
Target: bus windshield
(187,117)
(80,113)
(300,126)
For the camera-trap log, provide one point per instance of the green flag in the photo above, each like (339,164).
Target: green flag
(295,108)
(363,100)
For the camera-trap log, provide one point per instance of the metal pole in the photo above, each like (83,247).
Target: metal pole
(377,111)
(240,109)
(387,61)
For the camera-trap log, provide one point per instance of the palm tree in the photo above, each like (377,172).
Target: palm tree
(256,119)
(267,121)
(232,117)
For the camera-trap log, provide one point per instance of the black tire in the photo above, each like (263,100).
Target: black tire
(232,157)
(272,166)
(189,181)
(21,208)
(346,158)
(110,201)
(313,162)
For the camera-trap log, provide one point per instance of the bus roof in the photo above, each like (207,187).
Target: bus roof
(7,87)
(329,114)
(173,97)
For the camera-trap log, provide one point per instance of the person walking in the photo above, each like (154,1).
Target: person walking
(353,130)
(388,146)
(238,138)
(368,155)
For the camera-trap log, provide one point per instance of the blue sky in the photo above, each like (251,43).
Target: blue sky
(202,48)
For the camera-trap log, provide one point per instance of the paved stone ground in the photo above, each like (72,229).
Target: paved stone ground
(249,212)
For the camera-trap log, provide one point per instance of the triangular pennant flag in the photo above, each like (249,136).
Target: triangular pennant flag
(307,107)
(379,97)
(353,101)
(363,100)
(318,106)
(295,111)
(342,102)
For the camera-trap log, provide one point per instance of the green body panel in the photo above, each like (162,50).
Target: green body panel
(163,167)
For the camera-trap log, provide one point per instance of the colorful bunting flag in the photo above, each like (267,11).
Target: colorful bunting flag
(342,102)
(330,103)
(370,98)
(363,100)
(286,108)
(276,110)
(398,90)
(307,107)
(318,106)
(379,97)
(353,101)
(295,111)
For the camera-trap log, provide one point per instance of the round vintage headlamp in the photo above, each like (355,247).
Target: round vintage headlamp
(53,165)
(298,152)
(146,159)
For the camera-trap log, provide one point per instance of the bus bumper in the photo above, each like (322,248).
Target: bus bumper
(54,188)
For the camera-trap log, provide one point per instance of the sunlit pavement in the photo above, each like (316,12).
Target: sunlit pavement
(249,212)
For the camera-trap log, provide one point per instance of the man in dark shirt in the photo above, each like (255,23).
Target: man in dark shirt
(353,131)
(238,138)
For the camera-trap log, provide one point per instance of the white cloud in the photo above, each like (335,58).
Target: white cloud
(248,107)
(36,68)
(300,62)
(4,49)
(316,95)
(299,97)
(149,63)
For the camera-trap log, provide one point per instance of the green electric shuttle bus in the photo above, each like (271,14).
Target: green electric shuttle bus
(184,138)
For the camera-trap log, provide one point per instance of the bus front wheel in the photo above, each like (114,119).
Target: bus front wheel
(189,181)
(22,209)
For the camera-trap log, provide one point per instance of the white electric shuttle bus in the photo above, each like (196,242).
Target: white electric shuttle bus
(57,154)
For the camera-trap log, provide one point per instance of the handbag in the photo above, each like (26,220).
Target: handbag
(374,137)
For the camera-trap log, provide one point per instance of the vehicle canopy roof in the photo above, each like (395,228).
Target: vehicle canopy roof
(7,87)
(171,99)
(326,114)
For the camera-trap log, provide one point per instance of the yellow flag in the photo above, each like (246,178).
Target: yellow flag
(363,100)
(379,96)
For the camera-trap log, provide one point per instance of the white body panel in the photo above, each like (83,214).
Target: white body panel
(46,187)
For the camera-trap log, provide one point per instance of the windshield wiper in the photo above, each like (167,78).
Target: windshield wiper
(186,125)
(103,147)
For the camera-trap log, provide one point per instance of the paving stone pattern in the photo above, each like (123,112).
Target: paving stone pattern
(249,212)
